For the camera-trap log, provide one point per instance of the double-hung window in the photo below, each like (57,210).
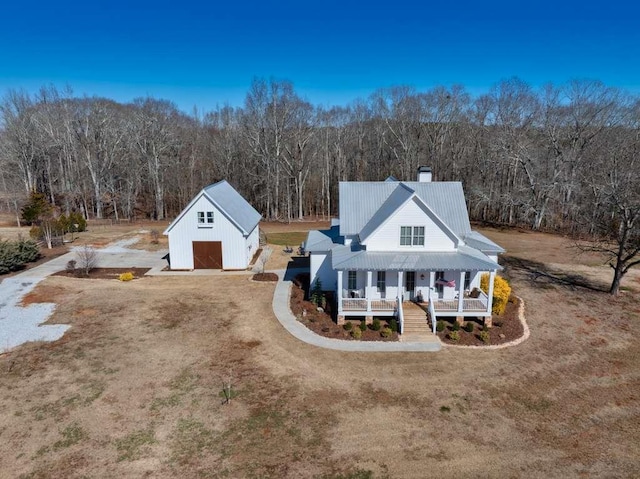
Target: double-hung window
(412,236)
(205,218)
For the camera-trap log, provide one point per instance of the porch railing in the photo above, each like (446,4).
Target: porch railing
(364,304)
(432,315)
(354,304)
(400,316)
(468,304)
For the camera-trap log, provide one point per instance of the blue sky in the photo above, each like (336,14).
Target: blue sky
(207,53)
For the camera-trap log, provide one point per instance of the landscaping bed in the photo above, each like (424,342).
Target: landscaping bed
(265,277)
(322,322)
(507,327)
(103,273)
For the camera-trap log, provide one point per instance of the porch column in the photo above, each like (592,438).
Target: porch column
(367,291)
(461,292)
(339,295)
(432,282)
(492,278)
(400,286)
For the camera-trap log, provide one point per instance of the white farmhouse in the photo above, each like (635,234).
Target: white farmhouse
(218,229)
(397,242)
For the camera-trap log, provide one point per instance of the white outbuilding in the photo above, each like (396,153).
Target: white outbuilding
(218,229)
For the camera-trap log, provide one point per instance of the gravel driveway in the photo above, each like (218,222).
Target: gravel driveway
(21,324)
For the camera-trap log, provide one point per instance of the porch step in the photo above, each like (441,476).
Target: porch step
(416,327)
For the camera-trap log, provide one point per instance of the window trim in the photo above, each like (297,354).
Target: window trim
(205,219)
(414,237)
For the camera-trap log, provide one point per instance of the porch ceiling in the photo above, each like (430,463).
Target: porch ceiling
(345,259)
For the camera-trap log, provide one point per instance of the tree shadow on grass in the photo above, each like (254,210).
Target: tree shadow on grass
(540,273)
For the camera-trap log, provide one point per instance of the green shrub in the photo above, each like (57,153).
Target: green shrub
(356,333)
(28,250)
(456,326)
(363,326)
(469,327)
(484,336)
(14,254)
(440,326)
(393,325)
(316,293)
(9,258)
(386,332)
(348,326)
(375,325)
(485,328)
(454,335)
(128,276)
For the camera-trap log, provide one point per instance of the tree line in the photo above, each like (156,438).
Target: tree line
(562,157)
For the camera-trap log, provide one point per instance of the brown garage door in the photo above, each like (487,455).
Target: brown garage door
(207,254)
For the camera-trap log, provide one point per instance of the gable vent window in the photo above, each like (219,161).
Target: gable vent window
(205,218)
(412,236)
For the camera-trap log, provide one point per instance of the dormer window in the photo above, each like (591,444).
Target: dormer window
(205,218)
(412,236)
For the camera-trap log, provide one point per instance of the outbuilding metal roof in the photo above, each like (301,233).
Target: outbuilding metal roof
(465,258)
(361,200)
(231,204)
(237,209)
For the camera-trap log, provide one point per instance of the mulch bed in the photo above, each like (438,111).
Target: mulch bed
(104,273)
(265,277)
(506,327)
(322,322)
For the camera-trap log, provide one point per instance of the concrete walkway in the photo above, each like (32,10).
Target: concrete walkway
(281,298)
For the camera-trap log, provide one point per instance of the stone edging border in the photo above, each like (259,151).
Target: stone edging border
(515,342)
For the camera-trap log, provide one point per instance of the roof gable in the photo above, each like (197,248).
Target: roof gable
(230,203)
(361,201)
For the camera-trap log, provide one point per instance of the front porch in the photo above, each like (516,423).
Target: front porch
(388,307)
(448,293)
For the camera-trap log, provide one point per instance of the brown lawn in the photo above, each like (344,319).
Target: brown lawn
(134,389)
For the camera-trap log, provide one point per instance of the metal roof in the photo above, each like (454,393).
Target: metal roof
(464,259)
(236,208)
(481,242)
(322,240)
(231,204)
(361,200)
(396,199)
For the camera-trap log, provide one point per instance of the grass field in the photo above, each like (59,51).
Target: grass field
(135,388)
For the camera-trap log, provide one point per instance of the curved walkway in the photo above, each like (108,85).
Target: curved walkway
(281,300)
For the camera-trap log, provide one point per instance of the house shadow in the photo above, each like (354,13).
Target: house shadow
(297,265)
(540,273)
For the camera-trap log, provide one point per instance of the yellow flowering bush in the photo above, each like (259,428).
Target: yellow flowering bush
(126,276)
(501,292)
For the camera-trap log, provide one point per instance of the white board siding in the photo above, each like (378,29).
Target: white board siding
(320,268)
(187,230)
(252,242)
(387,237)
